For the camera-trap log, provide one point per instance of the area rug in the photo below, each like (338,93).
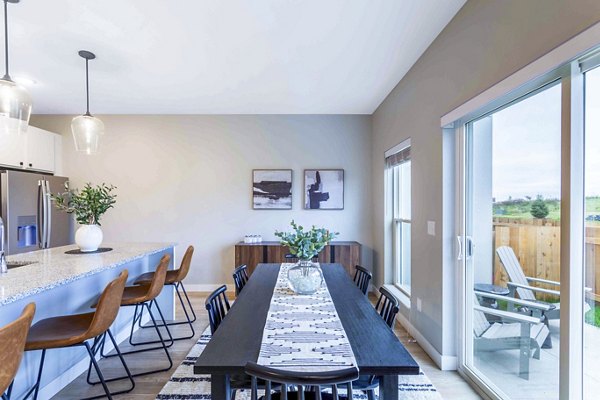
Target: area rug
(184,385)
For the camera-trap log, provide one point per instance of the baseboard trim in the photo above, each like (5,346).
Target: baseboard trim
(445,363)
(207,287)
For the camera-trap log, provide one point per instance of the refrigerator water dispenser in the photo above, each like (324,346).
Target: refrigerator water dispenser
(26,231)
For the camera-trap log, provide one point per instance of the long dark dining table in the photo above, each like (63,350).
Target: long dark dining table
(238,339)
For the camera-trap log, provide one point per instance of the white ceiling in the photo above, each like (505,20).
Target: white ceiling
(220,56)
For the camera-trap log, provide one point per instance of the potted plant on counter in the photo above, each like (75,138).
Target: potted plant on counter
(305,277)
(89,205)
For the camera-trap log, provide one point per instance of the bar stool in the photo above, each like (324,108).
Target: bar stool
(12,346)
(76,330)
(140,297)
(175,278)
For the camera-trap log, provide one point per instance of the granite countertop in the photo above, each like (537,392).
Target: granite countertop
(52,267)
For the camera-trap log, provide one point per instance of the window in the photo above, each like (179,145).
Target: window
(399,167)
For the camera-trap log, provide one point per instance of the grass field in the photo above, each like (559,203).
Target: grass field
(592,317)
(520,208)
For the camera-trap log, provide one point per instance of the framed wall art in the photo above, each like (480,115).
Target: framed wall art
(324,189)
(272,189)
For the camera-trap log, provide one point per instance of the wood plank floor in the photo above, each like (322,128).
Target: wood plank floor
(449,383)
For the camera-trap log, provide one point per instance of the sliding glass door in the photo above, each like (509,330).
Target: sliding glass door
(529,239)
(512,249)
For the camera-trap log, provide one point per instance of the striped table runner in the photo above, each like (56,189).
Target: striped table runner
(303,332)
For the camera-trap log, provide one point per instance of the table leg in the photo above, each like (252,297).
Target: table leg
(389,388)
(219,387)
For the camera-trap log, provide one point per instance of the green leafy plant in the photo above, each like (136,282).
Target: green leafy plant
(88,205)
(305,245)
(539,209)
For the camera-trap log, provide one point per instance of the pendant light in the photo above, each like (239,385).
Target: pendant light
(15,102)
(86,128)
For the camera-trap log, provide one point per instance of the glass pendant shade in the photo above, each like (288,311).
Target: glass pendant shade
(15,108)
(87,132)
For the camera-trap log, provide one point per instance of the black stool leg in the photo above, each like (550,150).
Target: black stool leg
(97,368)
(95,348)
(163,346)
(36,387)
(6,396)
(136,317)
(188,301)
(188,321)
(128,372)
(163,325)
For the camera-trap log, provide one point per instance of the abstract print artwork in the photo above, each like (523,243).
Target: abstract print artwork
(272,189)
(324,189)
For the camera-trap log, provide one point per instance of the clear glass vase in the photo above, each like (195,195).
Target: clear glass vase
(305,277)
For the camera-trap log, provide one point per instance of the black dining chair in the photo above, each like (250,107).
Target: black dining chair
(387,306)
(362,278)
(309,384)
(217,306)
(240,278)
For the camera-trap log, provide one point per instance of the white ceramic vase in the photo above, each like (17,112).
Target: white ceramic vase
(88,237)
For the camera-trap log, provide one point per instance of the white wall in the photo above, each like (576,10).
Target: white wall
(484,43)
(188,179)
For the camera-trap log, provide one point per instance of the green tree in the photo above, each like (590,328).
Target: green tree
(539,208)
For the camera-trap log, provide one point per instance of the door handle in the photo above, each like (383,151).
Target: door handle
(469,246)
(45,215)
(40,216)
(459,255)
(48,215)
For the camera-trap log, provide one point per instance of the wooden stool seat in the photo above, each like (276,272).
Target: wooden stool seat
(136,294)
(133,295)
(56,332)
(146,279)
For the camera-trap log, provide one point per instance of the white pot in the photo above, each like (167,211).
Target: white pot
(88,237)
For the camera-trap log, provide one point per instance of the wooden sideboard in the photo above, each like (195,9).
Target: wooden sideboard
(251,254)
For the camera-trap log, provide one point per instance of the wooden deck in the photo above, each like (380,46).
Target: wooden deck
(501,367)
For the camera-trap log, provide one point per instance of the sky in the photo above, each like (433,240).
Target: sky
(526,144)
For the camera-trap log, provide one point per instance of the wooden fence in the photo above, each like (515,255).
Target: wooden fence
(536,242)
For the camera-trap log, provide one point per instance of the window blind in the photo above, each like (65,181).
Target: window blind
(398,158)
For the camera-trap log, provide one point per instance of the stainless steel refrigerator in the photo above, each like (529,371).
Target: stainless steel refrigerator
(31,221)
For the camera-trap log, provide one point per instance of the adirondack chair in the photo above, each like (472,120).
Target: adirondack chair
(517,331)
(521,284)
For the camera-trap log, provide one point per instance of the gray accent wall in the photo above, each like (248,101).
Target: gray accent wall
(484,43)
(188,179)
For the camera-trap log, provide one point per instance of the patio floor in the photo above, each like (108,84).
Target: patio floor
(502,368)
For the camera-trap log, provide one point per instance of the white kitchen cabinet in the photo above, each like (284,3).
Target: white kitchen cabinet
(12,150)
(40,151)
(35,150)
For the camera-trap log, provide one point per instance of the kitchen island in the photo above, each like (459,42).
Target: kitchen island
(62,284)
